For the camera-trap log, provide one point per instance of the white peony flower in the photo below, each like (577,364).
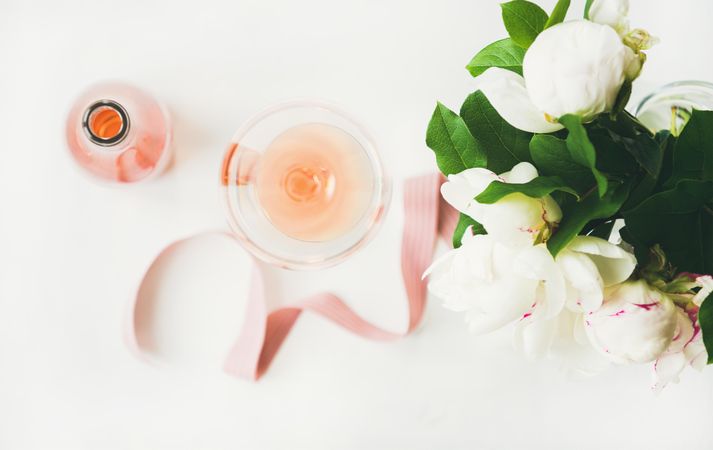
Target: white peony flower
(503,278)
(496,284)
(516,219)
(588,265)
(614,13)
(575,67)
(686,349)
(636,323)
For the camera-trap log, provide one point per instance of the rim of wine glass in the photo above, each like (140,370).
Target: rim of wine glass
(704,85)
(379,209)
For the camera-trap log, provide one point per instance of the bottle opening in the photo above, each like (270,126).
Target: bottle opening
(106,122)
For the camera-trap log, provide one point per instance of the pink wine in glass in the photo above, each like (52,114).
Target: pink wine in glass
(303,185)
(119,133)
(314,182)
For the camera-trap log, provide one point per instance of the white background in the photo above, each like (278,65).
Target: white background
(72,251)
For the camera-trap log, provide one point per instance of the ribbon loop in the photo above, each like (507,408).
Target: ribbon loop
(425,217)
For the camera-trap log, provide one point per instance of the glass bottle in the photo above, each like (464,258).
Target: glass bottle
(669,107)
(118,133)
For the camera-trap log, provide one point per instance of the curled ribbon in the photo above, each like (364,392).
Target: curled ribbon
(426,216)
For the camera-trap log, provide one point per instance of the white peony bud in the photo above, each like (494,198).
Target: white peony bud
(636,323)
(614,13)
(577,68)
(687,347)
(516,219)
(636,63)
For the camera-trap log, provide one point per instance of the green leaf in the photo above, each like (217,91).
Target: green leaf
(592,207)
(641,251)
(667,141)
(524,21)
(463,223)
(638,142)
(649,154)
(587,6)
(645,150)
(558,14)
(705,318)
(536,188)
(504,144)
(612,157)
(552,158)
(603,230)
(680,220)
(582,150)
(503,53)
(693,154)
(454,146)
(622,98)
(643,188)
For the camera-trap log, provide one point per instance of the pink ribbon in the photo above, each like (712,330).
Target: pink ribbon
(425,217)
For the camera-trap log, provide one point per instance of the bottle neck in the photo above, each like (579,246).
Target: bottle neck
(106,123)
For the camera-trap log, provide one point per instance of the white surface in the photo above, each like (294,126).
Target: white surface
(71,251)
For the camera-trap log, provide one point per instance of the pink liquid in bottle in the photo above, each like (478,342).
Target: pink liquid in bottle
(118,133)
(314,182)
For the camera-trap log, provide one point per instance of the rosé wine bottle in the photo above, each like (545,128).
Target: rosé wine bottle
(118,133)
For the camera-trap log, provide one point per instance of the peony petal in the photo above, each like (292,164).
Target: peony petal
(667,368)
(552,210)
(611,12)
(683,334)
(507,93)
(480,322)
(515,219)
(536,263)
(706,283)
(615,265)
(696,353)
(635,324)
(461,188)
(578,331)
(504,299)
(534,337)
(573,351)
(443,282)
(523,172)
(580,271)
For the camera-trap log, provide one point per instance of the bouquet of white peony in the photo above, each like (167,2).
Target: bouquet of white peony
(582,229)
